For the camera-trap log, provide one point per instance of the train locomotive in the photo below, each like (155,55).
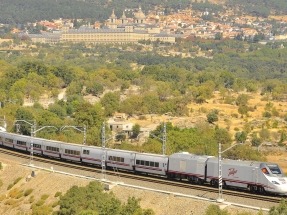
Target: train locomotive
(260,177)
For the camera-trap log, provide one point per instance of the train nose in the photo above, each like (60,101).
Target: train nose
(281,187)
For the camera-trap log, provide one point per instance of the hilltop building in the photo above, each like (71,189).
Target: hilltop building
(116,30)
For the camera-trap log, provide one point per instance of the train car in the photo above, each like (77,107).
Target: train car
(71,151)
(151,163)
(252,175)
(36,145)
(120,159)
(22,142)
(92,154)
(187,166)
(7,139)
(2,136)
(51,148)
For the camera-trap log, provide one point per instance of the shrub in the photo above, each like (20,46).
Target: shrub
(42,210)
(16,193)
(40,202)
(212,117)
(235,115)
(10,186)
(44,197)
(15,182)
(28,192)
(266,114)
(215,210)
(58,194)
(256,141)
(1,167)
(55,204)
(31,199)
(11,202)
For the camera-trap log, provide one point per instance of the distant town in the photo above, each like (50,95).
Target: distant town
(156,26)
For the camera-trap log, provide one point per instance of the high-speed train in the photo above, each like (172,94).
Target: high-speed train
(255,176)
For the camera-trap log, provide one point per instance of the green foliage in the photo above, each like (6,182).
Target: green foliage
(240,136)
(42,210)
(215,210)
(264,134)
(26,114)
(95,89)
(15,182)
(266,114)
(28,192)
(91,200)
(212,116)
(10,186)
(31,199)
(244,152)
(222,136)
(58,194)
(44,197)
(110,102)
(136,130)
(256,141)
(132,207)
(40,202)
(281,209)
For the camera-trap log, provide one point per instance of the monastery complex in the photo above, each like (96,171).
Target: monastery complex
(116,30)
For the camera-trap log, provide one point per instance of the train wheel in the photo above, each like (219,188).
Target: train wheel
(260,189)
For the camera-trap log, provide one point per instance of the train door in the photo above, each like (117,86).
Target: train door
(255,175)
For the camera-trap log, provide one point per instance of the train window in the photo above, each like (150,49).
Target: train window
(21,143)
(37,146)
(146,163)
(86,152)
(50,148)
(9,140)
(274,169)
(138,162)
(72,152)
(142,162)
(156,164)
(122,160)
(151,163)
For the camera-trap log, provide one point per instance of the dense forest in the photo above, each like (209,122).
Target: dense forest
(261,7)
(23,11)
(20,12)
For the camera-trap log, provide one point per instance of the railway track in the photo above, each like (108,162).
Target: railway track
(139,177)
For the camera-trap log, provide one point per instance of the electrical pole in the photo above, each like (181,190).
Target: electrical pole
(220,152)
(219,199)
(164,139)
(104,152)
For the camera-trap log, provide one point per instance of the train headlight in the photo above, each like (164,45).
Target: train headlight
(275,182)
